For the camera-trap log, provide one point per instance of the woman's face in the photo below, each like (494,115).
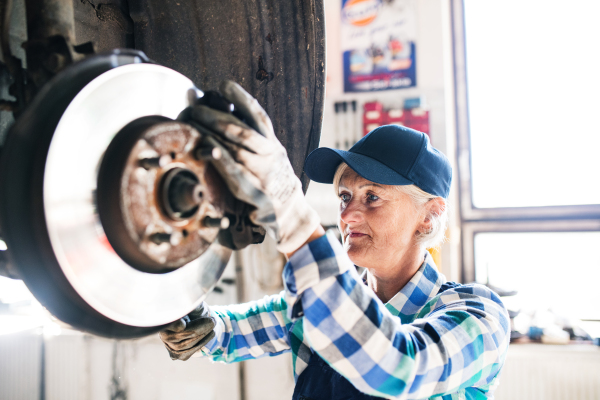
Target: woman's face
(378,223)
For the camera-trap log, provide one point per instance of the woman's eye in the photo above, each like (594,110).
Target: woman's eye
(345,197)
(371,198)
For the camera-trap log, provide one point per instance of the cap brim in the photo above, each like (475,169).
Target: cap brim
(321,164)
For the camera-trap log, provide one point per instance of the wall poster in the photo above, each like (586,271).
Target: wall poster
(378,44)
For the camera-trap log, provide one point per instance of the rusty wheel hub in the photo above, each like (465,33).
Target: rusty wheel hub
(158,198)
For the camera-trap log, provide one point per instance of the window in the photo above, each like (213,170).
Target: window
(527,100)
(554,270)
(533,90)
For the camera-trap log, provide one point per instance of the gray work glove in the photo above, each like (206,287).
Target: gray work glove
(188,335)
(257,170)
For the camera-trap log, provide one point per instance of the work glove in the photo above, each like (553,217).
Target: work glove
(256,168)
(189,334)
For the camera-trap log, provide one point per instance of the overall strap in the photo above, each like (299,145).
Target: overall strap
(321,382)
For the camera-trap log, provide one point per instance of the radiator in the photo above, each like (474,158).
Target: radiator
(550,372)
(81,367)
(66,367)
(20,366)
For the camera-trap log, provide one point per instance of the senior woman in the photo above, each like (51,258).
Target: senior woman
(401,331)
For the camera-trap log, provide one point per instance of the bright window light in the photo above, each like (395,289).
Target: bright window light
(13,291)
(551,270)
(534,96)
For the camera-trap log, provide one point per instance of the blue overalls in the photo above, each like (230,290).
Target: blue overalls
(321,382)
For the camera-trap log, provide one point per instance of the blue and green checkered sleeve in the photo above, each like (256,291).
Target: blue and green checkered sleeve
(250,330)
(458,339)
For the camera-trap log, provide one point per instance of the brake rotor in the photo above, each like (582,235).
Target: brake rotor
(106,200)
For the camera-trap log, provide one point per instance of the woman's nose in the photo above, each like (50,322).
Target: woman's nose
(351,212)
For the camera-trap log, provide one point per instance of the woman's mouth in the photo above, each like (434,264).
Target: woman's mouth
(356,234)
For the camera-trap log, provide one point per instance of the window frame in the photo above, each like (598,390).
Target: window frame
(568,218)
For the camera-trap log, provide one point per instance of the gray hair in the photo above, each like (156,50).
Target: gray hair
(435,236)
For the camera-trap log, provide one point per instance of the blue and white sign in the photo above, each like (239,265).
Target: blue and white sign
(378,44)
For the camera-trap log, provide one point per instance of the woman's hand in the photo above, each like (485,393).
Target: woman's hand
(188,335)
(257,170)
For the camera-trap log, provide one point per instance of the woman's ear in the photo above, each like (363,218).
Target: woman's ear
(434,206)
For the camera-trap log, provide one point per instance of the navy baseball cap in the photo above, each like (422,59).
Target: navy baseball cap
(389,155)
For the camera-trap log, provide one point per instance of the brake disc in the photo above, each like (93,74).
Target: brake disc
(108,209)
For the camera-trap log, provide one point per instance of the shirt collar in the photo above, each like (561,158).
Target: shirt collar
(422,287)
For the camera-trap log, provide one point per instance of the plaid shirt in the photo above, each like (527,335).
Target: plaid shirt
(420,344)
